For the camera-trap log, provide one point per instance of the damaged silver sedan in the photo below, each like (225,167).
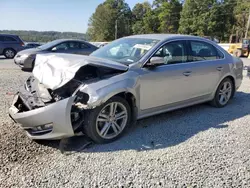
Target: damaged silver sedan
(128,79)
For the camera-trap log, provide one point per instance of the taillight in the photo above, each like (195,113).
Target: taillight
(22,44)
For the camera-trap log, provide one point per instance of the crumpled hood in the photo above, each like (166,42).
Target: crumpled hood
(55,70)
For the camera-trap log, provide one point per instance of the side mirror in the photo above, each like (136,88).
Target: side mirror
(53,49)
(154,61)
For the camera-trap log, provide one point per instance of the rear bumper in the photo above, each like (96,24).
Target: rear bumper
(55,116)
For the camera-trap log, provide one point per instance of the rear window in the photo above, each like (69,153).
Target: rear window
(83,46)
(204,51)
(9,39)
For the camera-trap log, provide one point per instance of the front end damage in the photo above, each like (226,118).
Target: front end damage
(42,114)
(46,113)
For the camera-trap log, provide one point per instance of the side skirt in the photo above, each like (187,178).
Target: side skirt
(174,106)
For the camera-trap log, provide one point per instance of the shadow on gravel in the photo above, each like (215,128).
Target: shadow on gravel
(165,130)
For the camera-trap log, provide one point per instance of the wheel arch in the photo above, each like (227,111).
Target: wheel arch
(233,81)
(131,99)
(232,78)
(9,48)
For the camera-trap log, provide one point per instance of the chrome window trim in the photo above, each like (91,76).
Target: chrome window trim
(173,40)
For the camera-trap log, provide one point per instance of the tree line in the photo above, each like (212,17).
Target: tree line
(44,36)
(215,18)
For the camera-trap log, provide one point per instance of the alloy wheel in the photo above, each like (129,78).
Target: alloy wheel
(111,120)
(225,92)
(9,53)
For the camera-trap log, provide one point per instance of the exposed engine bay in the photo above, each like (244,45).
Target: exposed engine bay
(85,75)
(53,102)
(35,94)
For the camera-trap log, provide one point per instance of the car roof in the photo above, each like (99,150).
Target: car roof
(162,37)
(66,40)
(9,35)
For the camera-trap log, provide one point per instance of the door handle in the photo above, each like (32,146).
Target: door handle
(219,68)
(188,73)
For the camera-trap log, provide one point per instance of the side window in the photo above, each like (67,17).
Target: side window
(220,55)
(62,46)
(83,46)
(73,45)
(172,53)
(1,38)
(9,39)
(202,51)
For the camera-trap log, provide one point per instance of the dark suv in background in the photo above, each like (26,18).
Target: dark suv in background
(10,45)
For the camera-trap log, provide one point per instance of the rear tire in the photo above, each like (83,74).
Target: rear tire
(9,53)
(224,93)
(100,124)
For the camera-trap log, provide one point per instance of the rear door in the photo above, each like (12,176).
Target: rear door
(1,44)
(85,49)
(207,68)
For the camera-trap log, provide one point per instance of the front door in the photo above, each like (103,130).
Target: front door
(166,83)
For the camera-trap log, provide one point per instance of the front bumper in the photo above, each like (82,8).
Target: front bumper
(18,61)
(56,115)
(24,63)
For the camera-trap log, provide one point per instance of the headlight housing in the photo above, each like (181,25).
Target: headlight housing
(24,56)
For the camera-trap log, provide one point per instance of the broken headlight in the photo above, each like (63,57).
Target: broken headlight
(66,91)
(81,97)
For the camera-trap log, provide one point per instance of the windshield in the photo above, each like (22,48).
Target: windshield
(48,45)
(125,50)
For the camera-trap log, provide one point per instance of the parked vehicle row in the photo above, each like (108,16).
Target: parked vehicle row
(128,79)
(26,58)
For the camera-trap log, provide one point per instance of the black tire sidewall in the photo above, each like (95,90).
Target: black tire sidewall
(89,126)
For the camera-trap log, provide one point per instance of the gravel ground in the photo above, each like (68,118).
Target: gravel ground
(200,146)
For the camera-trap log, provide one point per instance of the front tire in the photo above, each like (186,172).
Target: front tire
(9,53)
(223,94)
(109,121)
